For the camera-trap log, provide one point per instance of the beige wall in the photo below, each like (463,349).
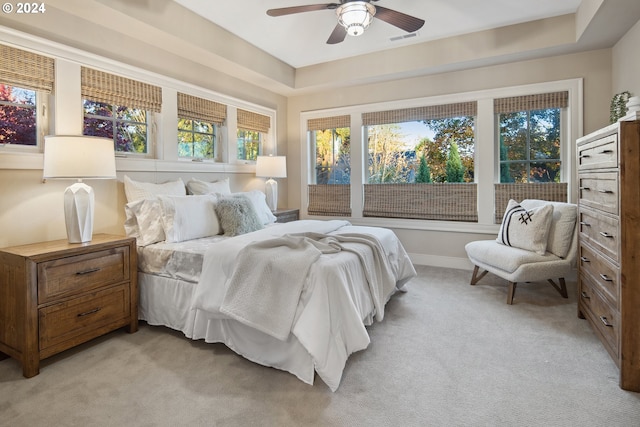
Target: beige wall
(626,63)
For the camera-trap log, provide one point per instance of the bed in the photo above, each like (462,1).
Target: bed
(295,296)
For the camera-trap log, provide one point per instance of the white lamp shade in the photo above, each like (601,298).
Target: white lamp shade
(271,166)
(79,157)
(355,16)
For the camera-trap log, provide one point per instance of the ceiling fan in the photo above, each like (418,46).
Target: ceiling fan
(354,16)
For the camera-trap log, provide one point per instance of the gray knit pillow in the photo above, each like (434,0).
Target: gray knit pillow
(237,216)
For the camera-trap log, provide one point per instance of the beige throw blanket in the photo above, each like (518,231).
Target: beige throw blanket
(265,286)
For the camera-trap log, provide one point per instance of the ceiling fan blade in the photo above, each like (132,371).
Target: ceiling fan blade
(401,20)
(337,35)
(298,9)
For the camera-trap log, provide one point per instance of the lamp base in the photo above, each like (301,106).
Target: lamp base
(79,201)
(271,190)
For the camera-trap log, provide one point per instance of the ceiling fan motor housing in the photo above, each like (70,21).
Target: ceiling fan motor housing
(355,16)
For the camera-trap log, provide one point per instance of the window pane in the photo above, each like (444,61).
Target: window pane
(203,146)
(513,172)
(17,116)
(396,151)
(545,172)
(333,162)
(130,125)
(98,127)
(196,139)
(131,115)
(248,144)
(131,138)
(93,108)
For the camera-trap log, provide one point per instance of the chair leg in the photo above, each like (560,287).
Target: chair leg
(562,287)
(512,291)
(476,278)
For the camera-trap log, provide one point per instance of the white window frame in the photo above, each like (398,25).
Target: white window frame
(486,152)
(42,126)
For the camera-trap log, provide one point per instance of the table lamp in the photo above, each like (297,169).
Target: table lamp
(78,157)
(271,167)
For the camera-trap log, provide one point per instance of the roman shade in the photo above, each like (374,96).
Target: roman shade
(193,107)
(461,109)
(540,101)
(248,120)
(25,69)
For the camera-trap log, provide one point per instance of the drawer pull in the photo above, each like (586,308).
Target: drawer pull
(586,224)
(585,188)
(605,322)
(86,313)
(584,259)
(585,156)
(606,152)
(584,295)
(606,191)
(607,235)
(91,270)
(605,278)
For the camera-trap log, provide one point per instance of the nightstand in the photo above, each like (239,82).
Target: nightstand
(56,295)
(287,215)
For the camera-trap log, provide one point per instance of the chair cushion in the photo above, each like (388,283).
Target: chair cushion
(563,224)
(505,258)
(526,228)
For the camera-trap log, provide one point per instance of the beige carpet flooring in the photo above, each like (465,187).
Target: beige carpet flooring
(447,354)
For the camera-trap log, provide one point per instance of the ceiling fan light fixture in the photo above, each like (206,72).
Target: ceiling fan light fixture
(355,16)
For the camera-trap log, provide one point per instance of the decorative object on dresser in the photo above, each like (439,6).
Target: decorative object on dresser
(609,241)
(56,295)
(78,157)
(271,167)
(287,215)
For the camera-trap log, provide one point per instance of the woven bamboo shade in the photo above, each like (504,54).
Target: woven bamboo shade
(248,120)
(334,122)
(550,191)
(329,200)
(434,201)
(193,107)
(460,109)
(26,69)
(111,89)
(541,101)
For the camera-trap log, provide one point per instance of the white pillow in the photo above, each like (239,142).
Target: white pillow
(562,226)
(188,217)
(526,229)
(195,186)
(135,190)
(259,201)
(144,221)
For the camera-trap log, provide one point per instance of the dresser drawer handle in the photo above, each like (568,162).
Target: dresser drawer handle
(607,235)
(584,259)
(605,278)
(585,188)
(606,152)
(606,191)
(584,295)
(585,156)
(86,313)
(91,270)
(586,224)
(605,322)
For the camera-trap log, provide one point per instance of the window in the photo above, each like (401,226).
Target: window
(253,129)
(126,126)
(119,108)
(198,123)
(26,79)
(18,116)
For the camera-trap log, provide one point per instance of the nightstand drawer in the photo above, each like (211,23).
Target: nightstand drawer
(81,273)
(82,317)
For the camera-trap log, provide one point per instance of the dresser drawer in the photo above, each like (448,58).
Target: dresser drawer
(81,273)
(602,273)
(599,191)
(82,318)
(601,231)
(605,320)
(599,154)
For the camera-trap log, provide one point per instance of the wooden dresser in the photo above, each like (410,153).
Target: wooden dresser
(56,295)
(609,241)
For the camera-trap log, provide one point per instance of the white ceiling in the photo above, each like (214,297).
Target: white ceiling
(300,40)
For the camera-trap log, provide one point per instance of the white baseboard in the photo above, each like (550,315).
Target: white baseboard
(441,261)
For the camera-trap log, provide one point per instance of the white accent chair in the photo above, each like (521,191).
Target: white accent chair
(519,265)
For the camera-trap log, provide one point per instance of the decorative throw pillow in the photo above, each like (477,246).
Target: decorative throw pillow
(526,229)
(144,221)
(237,216)
(188,217)
(259,201)
(563,224)
(195,186)
(135,190)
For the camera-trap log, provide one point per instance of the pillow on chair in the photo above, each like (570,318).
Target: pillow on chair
(526,229)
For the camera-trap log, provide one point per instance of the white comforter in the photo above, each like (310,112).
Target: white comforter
(327,321)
